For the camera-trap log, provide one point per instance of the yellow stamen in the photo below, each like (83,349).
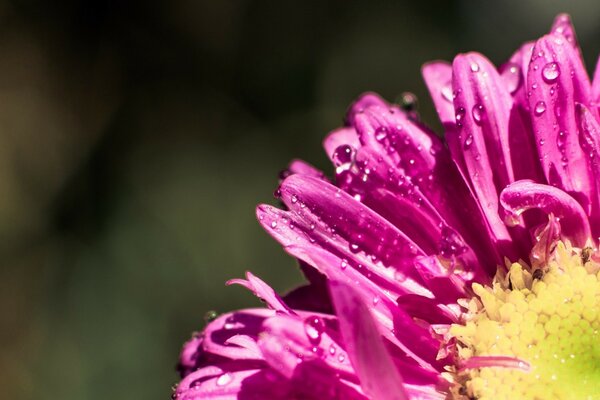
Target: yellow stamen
(549,320)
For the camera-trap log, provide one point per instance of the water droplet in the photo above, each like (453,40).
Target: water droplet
(408,101)
(332,349)
(314,327)
(344,264)
(459,115)
(381,133)
(294,199)
(341,357)
(477,112)
(354,248)
(224,379)
(550,72)
(375,300)
(474,67)
(447,92)
(343,157)
(210,316)
(512,77)
(540,108)
(468,141)
(274,224)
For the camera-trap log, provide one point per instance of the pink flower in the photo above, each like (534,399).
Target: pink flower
(418,240)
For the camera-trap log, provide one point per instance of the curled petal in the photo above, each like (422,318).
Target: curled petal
(263,291)
(373,364)
(526,195)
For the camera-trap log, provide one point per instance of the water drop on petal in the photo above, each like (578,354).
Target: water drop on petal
(512,77)
(540,108)
(224,379)
(477,112)
(550,72)
(314,327)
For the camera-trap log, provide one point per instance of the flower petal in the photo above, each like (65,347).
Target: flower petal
(525,195)
(556,81)
(481,139)
(376,371)
(263,291)
(589,139)
(438,78)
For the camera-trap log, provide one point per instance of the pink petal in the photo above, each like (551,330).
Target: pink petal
(556,81)
(263,291)
(526,195)
(376,371)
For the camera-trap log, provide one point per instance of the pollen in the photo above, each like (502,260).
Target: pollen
(533,334)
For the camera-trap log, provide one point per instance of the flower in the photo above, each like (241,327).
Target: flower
(464,268)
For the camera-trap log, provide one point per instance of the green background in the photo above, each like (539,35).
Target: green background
(136,138)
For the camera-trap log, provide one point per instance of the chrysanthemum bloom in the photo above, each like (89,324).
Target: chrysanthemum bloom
(464,268)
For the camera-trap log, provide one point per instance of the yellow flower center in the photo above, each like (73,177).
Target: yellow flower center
(533,335)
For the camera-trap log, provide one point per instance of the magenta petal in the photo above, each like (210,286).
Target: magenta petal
(481,140)
(233,383)
(525,195)
(556,81)
(376,371)
(217,336)
(438,78)
(304,168)
(263,291)
(302,354)
(564,27)
(589,139)
(397,325)
(364,101)
(595,100)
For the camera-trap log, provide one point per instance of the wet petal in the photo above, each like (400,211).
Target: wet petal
(375,369)
(438,78)
(526,195)
(556,81)
(589,139)
(482,137)
(262,291)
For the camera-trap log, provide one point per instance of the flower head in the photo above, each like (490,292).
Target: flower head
(456,268)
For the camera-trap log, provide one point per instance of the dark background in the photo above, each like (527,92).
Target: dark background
(137,137)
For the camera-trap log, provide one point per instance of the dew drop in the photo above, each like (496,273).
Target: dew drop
(341,358)
(474,67)
(314,327)
(332,349)
(447,92)
(459,115)
(344,264)
(550,72)
(294,199)
(224,379)
(468,141)
(477,112)
(381,133)
(354,248)
(512,77)
(343,157)
(274,224)
(540,108)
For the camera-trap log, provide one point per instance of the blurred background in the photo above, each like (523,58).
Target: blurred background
(136,138)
